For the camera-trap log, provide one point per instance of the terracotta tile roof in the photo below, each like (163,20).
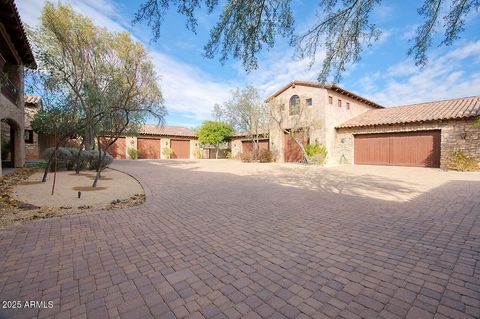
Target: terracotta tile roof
(32,99)
(152,129)
(467,107)
(10,18)
(262,134)
(332,87)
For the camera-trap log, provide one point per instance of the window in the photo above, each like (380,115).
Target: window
(330,100)
(309,102)
(294,105)
(348,105)
(339,103)
(29,136)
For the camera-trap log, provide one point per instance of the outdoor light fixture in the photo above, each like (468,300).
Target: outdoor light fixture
(463,135)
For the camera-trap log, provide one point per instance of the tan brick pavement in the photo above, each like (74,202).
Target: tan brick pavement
(218,245)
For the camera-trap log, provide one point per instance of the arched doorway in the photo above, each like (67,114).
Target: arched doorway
(11,141)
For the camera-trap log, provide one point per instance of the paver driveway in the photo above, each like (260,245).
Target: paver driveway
(291,243)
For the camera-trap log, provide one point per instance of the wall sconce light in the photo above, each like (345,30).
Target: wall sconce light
(463,134)
(166,143)
(342,140)
(132,142)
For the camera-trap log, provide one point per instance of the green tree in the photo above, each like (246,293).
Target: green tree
(343,28)
(215,133)
(60,123)
(247,113)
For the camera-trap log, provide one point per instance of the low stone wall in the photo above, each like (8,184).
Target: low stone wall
(451,137)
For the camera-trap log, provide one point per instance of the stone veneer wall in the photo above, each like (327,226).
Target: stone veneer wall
(450,137)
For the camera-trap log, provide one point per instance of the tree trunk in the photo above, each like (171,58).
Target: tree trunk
(99,170)
(77,164)
(47,169)
(216,152)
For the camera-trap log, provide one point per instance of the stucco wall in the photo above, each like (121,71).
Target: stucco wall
(335,115)
(451,138)
(321,114)
(15,114)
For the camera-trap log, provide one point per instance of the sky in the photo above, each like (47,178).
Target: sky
(192,84)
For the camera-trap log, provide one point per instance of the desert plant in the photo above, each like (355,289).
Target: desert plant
(246,157)
(197,153)
(61,157)
(265,156)
(459,161)
(133,153)
(5,150)
(317,153)
(167,152)
(93,159)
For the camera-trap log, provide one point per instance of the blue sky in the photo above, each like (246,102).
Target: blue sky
(191,84)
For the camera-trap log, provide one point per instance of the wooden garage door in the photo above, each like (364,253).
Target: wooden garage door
(293,152)
(118,149)
(401,149)
(148,148)
(181,148)
(247,146)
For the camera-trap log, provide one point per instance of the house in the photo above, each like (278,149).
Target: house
(357,130)
(35,143)
(15,54)
(411,135)
(153,139)
(323,108)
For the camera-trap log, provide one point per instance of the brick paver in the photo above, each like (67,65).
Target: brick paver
(217,245)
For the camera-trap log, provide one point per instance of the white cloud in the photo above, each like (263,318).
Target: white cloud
(445,76)
(281,68)
(185,88)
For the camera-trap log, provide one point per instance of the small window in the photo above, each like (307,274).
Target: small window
(330,100)
(348,105)
(29,136)
(339,103)
(309,102)
(294,108)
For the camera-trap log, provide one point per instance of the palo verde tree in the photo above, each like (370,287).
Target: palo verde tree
(215,133)
(108,77)
(245,112)
(132,93)
(60,123)
(343,28)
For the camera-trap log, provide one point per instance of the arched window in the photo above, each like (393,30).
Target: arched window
(294,105)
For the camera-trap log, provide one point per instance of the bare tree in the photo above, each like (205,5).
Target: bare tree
(293,120)
(247,113)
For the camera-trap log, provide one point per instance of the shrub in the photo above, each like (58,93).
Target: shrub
(459,161)
(67,157)
(265,156)
(246,157)
(93,159)
(167,152)
(228,155)
(133,153)
(197,153)
(316,153)
(63,157)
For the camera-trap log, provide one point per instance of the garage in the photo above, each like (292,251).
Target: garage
(117,149)
(421,148)
(247,146)
(148,148)
(292,151)
(180,148)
